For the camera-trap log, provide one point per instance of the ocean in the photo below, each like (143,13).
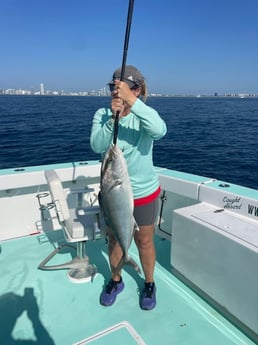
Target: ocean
(213,137)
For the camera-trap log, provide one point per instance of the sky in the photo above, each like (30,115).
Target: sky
(181,47)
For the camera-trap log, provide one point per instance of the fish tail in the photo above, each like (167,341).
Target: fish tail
(127,260)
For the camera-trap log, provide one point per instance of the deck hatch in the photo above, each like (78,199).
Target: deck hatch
(231,224)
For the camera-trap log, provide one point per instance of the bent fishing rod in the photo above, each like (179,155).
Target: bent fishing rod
(126,42)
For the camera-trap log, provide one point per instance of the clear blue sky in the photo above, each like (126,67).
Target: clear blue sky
(180,46)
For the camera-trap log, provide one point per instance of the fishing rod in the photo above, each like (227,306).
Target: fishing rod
(126,42)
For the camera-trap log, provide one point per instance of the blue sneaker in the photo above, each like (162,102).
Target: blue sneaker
(108,295)
(148,297)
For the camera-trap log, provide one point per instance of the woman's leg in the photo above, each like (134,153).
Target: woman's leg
(145,244)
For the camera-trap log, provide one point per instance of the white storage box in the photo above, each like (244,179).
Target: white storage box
(217,252)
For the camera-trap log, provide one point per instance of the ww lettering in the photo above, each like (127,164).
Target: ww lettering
(253,210)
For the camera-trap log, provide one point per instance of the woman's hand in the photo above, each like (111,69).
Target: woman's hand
(117,105)
(124,93)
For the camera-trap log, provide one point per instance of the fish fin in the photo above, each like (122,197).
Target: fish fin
(135,226)
(116,185)
(127,260)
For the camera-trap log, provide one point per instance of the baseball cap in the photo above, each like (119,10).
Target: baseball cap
(132,76)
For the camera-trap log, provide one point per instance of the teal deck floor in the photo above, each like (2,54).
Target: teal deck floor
(64,313)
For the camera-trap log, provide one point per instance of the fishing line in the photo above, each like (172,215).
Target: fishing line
(126,42)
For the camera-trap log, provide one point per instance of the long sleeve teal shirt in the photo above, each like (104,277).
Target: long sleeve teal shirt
(136,134)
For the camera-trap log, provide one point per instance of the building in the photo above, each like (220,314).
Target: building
(42,91)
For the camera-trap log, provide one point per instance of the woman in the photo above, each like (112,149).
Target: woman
(139,126)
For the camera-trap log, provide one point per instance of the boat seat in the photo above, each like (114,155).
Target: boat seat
(79,225)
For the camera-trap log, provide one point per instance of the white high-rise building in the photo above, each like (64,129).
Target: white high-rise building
(42,91)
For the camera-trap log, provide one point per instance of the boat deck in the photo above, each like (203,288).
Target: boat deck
(62,312)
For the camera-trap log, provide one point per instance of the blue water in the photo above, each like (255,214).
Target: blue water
(213,137)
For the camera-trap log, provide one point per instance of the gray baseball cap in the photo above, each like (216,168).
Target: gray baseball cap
(132,76)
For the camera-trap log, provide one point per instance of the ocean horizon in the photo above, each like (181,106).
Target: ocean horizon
(214,137)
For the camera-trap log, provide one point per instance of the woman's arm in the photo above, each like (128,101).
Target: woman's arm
(150,119)
(101,131)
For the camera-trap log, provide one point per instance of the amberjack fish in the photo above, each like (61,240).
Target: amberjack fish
(116,202)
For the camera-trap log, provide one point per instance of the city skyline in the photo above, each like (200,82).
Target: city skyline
(197,47)
(42,91)
(105,92)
